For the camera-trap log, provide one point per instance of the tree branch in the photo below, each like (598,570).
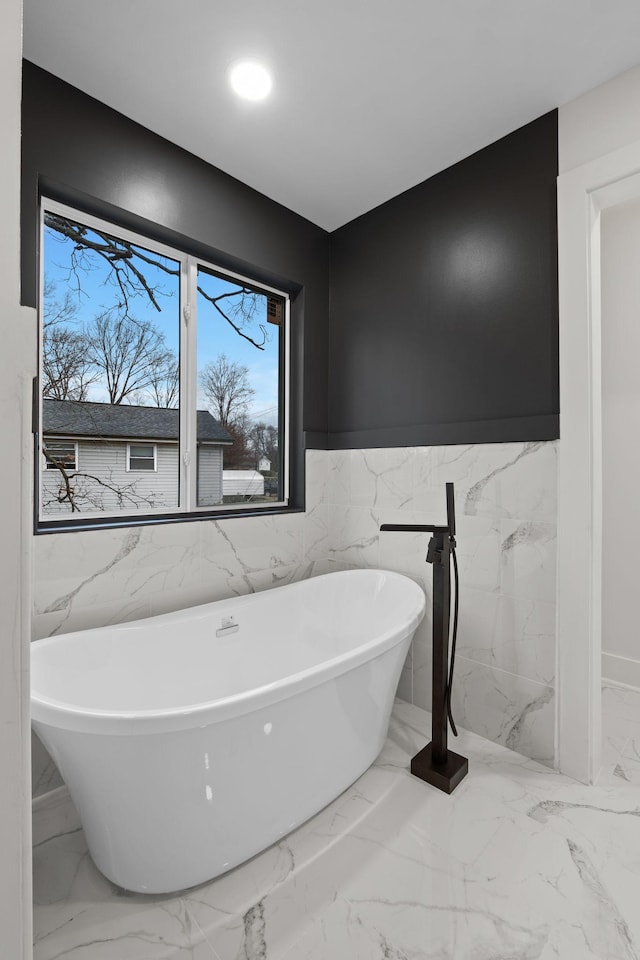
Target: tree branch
(125,493)
(121,255)
(214,301)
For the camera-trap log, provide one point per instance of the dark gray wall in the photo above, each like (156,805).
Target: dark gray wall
(78,150)
(444,305)
(443,324)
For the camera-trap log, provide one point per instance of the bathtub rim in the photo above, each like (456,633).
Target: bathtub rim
(61,715)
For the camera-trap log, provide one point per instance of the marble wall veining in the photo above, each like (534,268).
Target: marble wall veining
(506,511)
(92,578)
(95,578)
(506,534)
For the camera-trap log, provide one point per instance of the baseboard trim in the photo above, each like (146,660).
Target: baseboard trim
(621,670)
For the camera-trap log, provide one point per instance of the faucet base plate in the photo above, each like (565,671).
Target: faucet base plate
(444,775)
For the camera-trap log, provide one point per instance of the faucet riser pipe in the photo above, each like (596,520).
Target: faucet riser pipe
(435,763)
(441,598)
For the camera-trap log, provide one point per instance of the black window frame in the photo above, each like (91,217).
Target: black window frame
(290,409)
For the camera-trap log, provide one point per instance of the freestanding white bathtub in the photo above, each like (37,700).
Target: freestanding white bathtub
(193,740)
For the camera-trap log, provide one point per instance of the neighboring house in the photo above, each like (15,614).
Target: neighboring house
(116,456)
(242,483)
(264,465)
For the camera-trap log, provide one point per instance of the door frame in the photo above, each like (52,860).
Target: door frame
(583,193)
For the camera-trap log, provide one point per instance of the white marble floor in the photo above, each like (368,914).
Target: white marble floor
(520,863)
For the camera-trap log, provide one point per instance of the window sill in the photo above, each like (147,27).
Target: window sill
(116,523)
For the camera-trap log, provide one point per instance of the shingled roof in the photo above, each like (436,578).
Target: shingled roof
(75,418)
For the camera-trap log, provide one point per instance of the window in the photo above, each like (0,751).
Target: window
(170,371)
(60,453)
(141,456)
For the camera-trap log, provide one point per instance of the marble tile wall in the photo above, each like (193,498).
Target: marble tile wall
(506,533)
(620,735)
(95,578)
(506,509)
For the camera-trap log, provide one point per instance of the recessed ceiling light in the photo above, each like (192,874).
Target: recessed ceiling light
(250,79)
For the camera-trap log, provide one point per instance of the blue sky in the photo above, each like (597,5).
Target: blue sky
(215,335)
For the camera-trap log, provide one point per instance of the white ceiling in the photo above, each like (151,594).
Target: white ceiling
(370,96)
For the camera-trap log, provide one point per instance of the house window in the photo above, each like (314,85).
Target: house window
(141,456)
(60,453)
(166,368)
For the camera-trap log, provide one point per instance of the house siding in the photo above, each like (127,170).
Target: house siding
(209,476)
(108,461)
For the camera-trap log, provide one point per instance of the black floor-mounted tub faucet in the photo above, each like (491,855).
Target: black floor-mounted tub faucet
(435,763)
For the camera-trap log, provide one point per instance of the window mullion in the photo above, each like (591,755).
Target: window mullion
(189,386)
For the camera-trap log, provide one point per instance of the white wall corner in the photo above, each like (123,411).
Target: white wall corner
(600,121)
(17,361)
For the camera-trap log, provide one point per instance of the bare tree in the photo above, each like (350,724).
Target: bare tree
(66,371)
(66,374)
(56,310)
(128,353)
(239,456)
(127,262)
(164,388)
(239,308)
(226,385)
(263,438)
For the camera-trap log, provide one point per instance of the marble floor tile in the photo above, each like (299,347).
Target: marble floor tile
(519,863)
(80,915)
(623,769)
(53,814)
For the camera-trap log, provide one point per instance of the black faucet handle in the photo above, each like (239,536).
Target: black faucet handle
(434,550)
